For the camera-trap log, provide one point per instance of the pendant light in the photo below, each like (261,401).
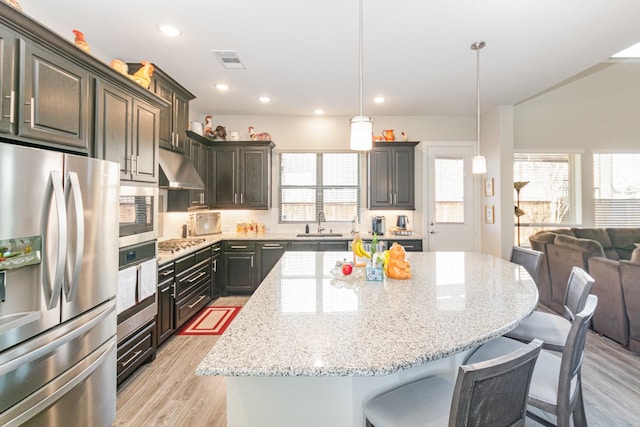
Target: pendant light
(479,163)
(361,126)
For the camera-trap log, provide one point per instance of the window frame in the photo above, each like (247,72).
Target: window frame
(319,187)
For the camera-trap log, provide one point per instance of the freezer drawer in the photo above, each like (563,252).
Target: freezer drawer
(46,380)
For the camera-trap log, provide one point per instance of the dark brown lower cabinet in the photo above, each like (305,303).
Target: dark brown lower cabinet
(240,267)
(136,350)
(270,254)
(166,301)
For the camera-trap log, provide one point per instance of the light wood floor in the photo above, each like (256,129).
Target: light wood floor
(167,392)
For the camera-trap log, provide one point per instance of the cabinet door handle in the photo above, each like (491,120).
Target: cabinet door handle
(166,273)
(202,273)
(241,198)
(238,247)
(251,261)
(395,199)
(202,198)
(215,265)
(31,112)
(217,249)
(409,246)
(235,198)
(272,246)
(136,158)
(132,358)
(12,106)
(199,299)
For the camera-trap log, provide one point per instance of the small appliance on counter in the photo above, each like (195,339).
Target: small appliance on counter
(378,225)
(402,222)
(205,222)
(402,226)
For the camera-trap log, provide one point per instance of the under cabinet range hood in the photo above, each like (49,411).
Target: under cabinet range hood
(177,172)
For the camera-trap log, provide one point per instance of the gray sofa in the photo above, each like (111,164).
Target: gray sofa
(600,251)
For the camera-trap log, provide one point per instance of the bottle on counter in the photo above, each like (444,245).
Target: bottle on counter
(306,229)
(241,227)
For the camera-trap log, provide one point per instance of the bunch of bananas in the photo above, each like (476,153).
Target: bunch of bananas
(359,251)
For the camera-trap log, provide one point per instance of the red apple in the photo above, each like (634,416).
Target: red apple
(347,269)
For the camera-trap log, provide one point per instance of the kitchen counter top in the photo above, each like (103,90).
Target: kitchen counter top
(164,257)
(309,341)
(302,321)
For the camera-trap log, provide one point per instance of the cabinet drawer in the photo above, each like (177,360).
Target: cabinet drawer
(166,273)
(186,308)
(184,263)
(193,278)
(203,254)
(241,245)
(410,245)
(135,350)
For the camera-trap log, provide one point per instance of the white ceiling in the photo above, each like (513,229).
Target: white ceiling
(304,54)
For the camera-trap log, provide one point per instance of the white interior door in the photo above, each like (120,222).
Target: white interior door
(451,217)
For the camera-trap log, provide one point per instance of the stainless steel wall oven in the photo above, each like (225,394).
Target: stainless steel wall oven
(138,214)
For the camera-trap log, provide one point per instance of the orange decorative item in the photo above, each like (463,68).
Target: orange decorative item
(398,267)
(388,135)
(378,138)
(81,42)
(143,75)
(120,66)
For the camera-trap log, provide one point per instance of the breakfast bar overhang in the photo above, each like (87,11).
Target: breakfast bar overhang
(311,347)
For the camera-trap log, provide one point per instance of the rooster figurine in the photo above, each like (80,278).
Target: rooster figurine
(262,136)
(81,42)
(143,75)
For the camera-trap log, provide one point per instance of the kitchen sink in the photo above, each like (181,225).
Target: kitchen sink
(319,235)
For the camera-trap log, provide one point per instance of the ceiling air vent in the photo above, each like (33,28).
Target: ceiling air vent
(229,59)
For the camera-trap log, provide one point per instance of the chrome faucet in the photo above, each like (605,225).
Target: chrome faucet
(321,219)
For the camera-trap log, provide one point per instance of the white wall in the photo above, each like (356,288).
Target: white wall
(596,112)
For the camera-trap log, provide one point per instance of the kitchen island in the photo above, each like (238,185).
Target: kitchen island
(310,348)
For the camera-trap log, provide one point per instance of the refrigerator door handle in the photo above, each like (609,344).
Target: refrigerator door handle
(58,277)
(24,355)
(46,396)
(72,187)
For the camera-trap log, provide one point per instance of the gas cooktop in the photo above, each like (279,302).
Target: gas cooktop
(176,245)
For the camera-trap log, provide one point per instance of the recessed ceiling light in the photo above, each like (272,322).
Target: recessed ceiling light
(379,99)
(319,112)
(222,87)
(264,99)
(169,30)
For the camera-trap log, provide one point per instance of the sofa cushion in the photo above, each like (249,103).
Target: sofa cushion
(583,245)
(623,240)
(598,234)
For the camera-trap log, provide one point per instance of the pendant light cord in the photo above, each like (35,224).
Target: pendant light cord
(360,25)
(477,46)
(478,96)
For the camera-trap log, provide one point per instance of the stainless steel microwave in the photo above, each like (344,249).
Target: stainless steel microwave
(138,214)
(206,222)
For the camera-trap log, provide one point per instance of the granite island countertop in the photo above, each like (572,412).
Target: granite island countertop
(303,321)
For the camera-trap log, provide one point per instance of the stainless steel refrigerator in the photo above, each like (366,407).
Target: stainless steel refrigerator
(58,282)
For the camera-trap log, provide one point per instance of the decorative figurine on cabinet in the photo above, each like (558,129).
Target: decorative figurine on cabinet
(262,136)
(81,42)
(143,75)
(220,134)
(208,127)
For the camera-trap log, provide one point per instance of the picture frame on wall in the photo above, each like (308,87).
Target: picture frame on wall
(488,187)
(489,214)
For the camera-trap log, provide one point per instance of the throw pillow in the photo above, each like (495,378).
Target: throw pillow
(635,255)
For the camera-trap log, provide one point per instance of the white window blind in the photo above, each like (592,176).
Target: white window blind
(314,182)
(616,192)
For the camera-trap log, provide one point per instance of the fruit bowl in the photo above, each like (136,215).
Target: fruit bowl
(356,275)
